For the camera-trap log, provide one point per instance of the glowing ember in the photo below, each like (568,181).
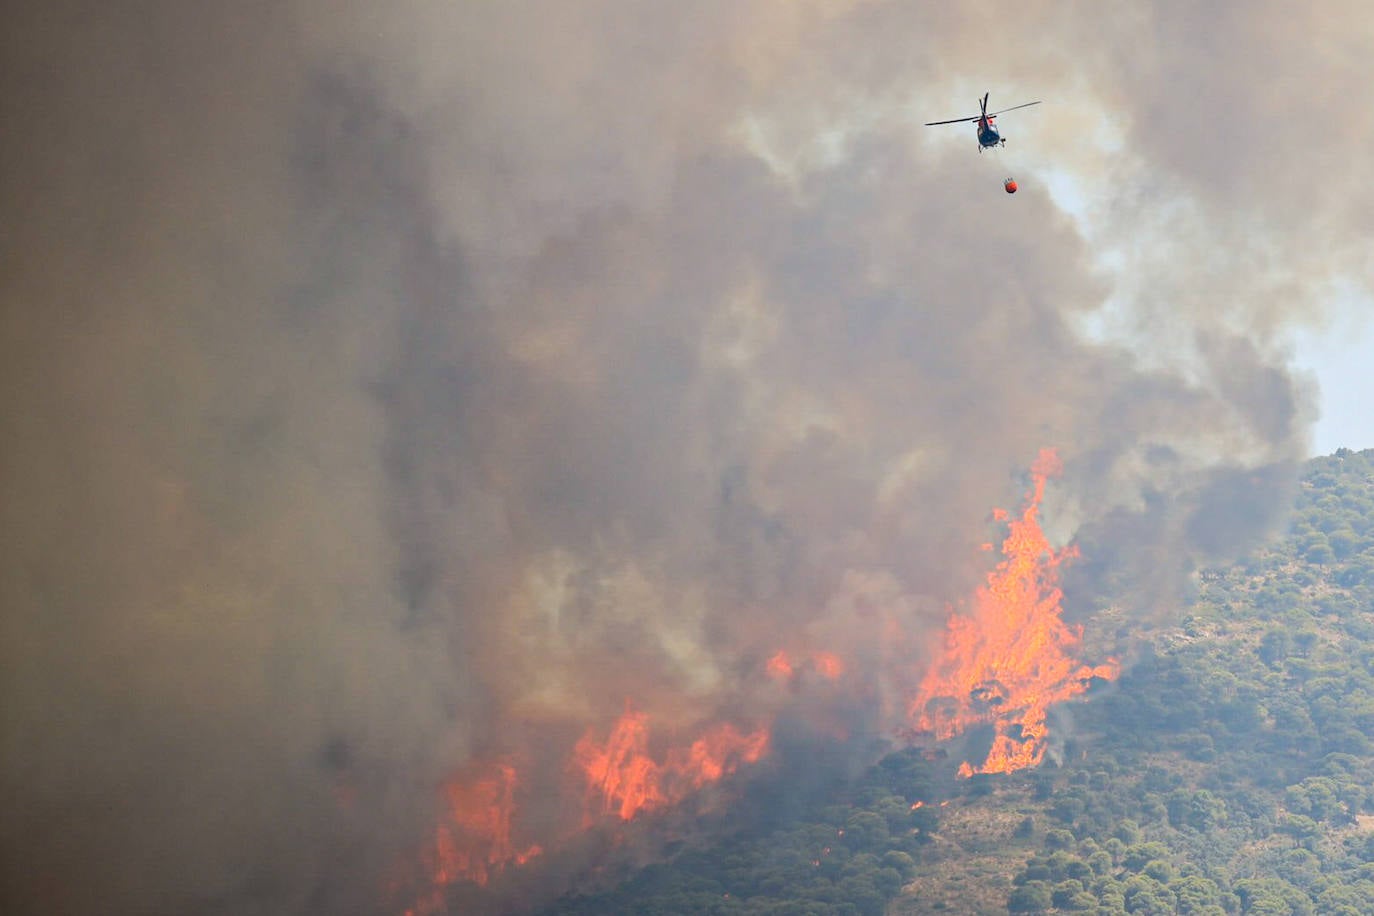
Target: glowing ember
(779,666)
(623,779)
(474,841)
(1007,659)
(828,664)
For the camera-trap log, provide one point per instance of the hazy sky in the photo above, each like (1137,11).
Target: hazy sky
(390,389)
(1340,359)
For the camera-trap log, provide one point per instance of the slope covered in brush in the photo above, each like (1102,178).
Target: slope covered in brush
(1230,771)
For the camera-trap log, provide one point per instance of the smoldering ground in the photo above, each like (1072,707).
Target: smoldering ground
(387,391)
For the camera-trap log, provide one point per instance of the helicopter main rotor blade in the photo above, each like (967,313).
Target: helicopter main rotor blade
(1012,108)
(953,121)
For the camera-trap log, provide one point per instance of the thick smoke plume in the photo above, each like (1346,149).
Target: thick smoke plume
(393,389)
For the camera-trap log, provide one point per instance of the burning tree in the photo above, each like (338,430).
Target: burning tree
(1008,655)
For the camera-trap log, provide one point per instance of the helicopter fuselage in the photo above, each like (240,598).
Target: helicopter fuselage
(987,133)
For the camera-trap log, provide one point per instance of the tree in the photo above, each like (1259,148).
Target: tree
(1299,826)
(1031,897)
(1059,838)
(1274,647)
(1195,894)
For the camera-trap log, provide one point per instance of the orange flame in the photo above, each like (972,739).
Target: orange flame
(779,666)
(474,842)
(621,771)
(829,665)
(623,779)
(1008,658)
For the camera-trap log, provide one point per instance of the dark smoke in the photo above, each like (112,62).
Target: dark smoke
(387,390)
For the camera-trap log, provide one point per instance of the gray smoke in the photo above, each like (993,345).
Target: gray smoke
(388,390)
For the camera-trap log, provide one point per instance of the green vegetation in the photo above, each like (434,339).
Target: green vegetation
(1229,771)
(849,858)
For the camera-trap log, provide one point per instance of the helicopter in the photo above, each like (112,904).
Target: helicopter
(988,136)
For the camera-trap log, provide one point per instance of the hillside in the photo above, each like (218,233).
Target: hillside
(1230,770)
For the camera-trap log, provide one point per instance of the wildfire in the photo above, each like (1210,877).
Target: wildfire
(1008,657)
(621,771)
(623,779)
(827,664)
(473,843)
(780,666)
